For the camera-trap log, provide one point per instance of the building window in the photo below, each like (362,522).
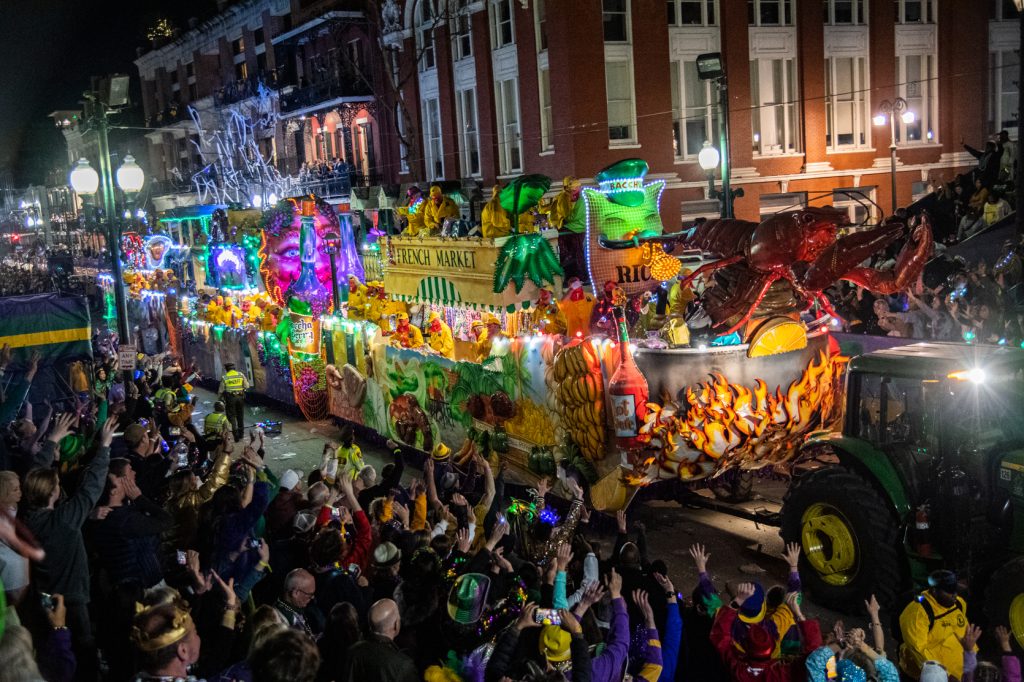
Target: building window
(237,46)
(915,11)
(540,24)
(403,148)
(916,75)
(772,204)
(773,96)
(425,35)
(846,103)
(469,134)
(616,21)
(193,92)
(1002,90)
(190,70)
(845,12)
(618,82)
(241,71)
(509,155)
(433,154)
(770,12)
(858,202)
(462,38)
(502,29)
(546,120)
(693,112)
(258,36)
(691,12)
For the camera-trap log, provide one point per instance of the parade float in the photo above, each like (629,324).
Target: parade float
(605,371)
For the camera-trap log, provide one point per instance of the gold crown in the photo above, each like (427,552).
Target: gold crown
(180,626)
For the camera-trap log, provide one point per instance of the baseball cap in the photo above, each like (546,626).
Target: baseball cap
(386,554)
(289,479)
(943,580)
(554,643)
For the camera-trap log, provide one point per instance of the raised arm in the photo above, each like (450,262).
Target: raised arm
(76,510)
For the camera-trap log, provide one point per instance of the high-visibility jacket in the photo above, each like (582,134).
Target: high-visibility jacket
(234,381)
(932,632)
(165,397)
(214,424)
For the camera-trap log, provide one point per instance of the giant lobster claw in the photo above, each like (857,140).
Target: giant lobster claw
(909,263)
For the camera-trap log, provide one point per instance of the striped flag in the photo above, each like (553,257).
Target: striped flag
(58,327)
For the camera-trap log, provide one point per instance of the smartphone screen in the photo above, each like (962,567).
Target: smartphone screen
(547,617)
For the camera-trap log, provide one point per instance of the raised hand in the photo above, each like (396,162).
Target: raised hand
(499,531)
(971,637)
(33,366)
(107,432)
(793,602)
(61,427)
(593,594)
(700,557)
(401,512)
(59,614)
(743,592)
(641,601)
(665,584)
(569,622)
(228,588)
(462,540)
(792,556)
(620,519)
(526,617)
(614,583)
(542,487)
(458,500)
(1003,635)
(563,556)
(5,355)
(873,608)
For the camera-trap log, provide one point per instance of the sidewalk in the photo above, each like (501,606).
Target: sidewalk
(300,444)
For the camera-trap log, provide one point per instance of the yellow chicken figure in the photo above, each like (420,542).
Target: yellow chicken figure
(577,307)
(356,298)
(559,208)
(439,336)
(547,317)
(413,211)
(406,335)
(437,209)
(494,220)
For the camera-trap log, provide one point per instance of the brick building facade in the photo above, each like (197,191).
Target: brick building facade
(495,88)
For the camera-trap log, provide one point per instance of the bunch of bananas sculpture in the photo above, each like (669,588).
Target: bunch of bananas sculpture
(575,379)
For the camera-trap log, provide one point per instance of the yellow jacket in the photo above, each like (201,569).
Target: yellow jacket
(442,342)
(357,303)
(434,215)
(939,643)
(414,214)
(413,338)
(483,346)
(494,220)
(549,319)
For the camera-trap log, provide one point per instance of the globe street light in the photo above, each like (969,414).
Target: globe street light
(130,177)
(887,113)
(708,159)
(84,179)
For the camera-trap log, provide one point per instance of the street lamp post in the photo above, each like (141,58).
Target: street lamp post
(887,113)
(708,159)
(332,244)
(85,181)
(1019,4)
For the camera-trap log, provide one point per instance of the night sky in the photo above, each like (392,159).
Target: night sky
(48,51)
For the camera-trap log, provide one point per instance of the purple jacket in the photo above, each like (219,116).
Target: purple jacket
(609,666)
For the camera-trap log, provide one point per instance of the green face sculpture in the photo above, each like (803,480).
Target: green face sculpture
(616,222)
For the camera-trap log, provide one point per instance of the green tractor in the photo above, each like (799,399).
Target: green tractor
(928,472)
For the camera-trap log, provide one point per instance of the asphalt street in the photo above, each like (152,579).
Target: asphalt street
(740,550)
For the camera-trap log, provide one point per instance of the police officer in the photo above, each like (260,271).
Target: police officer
(215,423)
(232,392)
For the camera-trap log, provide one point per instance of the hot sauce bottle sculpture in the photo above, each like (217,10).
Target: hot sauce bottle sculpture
(308,288)
(627,391)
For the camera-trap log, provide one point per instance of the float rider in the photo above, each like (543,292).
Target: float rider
(406,335)
(439,336)
(932,627)
(357,300)
(437,209)
(232,391)
(547,317)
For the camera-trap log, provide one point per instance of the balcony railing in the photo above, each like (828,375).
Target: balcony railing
(327,184)
(299,96)
(173,114)
(243,89)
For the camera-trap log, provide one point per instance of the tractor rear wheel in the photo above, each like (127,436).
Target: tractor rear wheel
(848,536)
(1004,601)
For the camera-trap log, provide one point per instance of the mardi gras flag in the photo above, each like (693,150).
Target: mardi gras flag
(58,327)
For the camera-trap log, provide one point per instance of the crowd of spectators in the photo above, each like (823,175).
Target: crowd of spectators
(331,177)
(136,546)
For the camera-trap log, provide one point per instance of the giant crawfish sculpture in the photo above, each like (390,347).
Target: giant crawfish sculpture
(803,248)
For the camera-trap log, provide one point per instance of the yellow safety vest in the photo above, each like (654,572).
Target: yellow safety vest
(234,381)
(214,423)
